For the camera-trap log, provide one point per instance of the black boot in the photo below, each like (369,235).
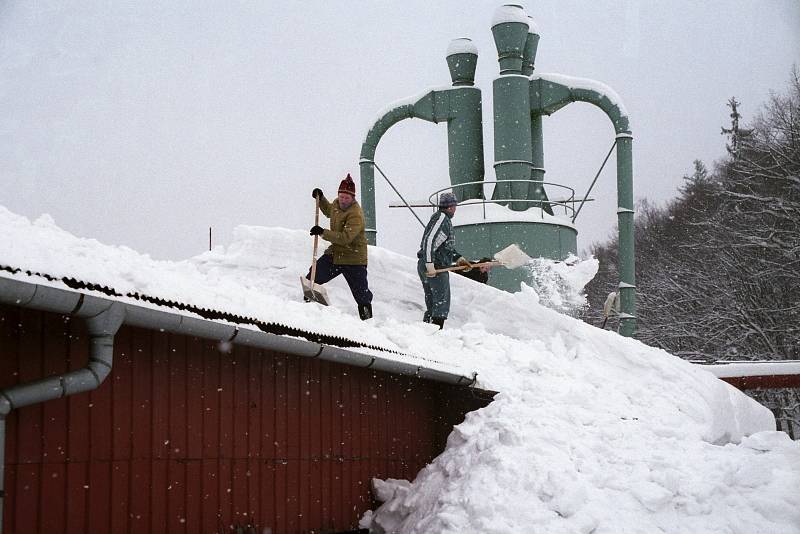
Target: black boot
(438,321)
(365,311)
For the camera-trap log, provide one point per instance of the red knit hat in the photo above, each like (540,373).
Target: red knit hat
(348,186)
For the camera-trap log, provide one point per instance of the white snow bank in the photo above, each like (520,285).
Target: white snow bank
(591,432)
(523,465)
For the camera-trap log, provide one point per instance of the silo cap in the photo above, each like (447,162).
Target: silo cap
(462,45)
(510,13)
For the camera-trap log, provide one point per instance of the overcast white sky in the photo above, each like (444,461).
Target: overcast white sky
(143,123)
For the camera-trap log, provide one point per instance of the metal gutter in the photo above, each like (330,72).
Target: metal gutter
(56,300)
(216,316)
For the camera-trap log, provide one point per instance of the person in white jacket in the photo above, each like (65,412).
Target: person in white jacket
(437,250)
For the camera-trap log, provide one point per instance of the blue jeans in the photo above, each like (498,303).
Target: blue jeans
(437,293)
(354,275)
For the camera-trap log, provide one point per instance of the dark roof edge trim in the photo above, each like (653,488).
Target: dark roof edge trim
(61,301)
(206,313)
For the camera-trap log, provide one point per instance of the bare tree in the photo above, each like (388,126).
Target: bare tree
(718,268)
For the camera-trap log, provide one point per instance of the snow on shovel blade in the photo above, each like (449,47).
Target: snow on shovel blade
(512,257)
(314,292)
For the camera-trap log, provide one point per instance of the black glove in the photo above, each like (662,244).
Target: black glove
(317,192)
(316,230)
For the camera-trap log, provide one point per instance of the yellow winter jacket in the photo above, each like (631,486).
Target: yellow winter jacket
(347,236)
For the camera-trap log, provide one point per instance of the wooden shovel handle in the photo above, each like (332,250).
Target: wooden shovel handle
(316,241)
(474,265)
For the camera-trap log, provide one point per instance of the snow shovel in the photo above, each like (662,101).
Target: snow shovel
(311,291)
(510,257)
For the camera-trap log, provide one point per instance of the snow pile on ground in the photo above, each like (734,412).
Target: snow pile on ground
(591,432)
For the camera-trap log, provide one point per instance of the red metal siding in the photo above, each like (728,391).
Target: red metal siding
(182,437)
(763,381)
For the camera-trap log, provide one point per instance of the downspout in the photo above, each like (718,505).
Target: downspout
(551,92)
(103,319)
(460,106)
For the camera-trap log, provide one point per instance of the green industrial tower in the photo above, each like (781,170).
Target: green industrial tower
(515,207)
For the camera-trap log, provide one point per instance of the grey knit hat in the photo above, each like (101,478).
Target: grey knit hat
(446,200)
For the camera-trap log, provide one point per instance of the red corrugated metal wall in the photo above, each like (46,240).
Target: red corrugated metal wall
(184,438)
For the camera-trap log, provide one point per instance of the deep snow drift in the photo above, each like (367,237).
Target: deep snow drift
(591,432)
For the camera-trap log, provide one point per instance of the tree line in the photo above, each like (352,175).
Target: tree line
(718,267)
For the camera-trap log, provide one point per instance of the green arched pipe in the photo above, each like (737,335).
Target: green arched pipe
(551,92)
(512,125)
(460,107)
(367,158)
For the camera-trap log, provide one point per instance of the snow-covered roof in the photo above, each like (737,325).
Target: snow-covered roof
(590,431)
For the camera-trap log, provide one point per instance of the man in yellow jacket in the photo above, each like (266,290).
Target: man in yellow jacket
(347,254)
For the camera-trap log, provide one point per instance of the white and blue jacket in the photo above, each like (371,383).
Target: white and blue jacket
(438,242)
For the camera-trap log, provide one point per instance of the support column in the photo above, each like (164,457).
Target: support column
(625,211)
(512,138)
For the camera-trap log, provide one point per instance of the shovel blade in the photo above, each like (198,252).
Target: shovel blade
(512,257)
(314,292)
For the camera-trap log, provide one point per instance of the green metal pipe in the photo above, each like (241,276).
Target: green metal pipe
(461,108)
(462,60)
(531,45)
(627,262)
(367,158)
(512,120)
(512,138)
(551,92)
(465,142)
(536,189)
(510,32)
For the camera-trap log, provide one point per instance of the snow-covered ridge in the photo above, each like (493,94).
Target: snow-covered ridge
(591,432)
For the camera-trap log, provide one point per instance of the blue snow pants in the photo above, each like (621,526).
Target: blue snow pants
(354,275)
(437,293)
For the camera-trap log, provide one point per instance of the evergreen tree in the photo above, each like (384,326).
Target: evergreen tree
(734,133)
